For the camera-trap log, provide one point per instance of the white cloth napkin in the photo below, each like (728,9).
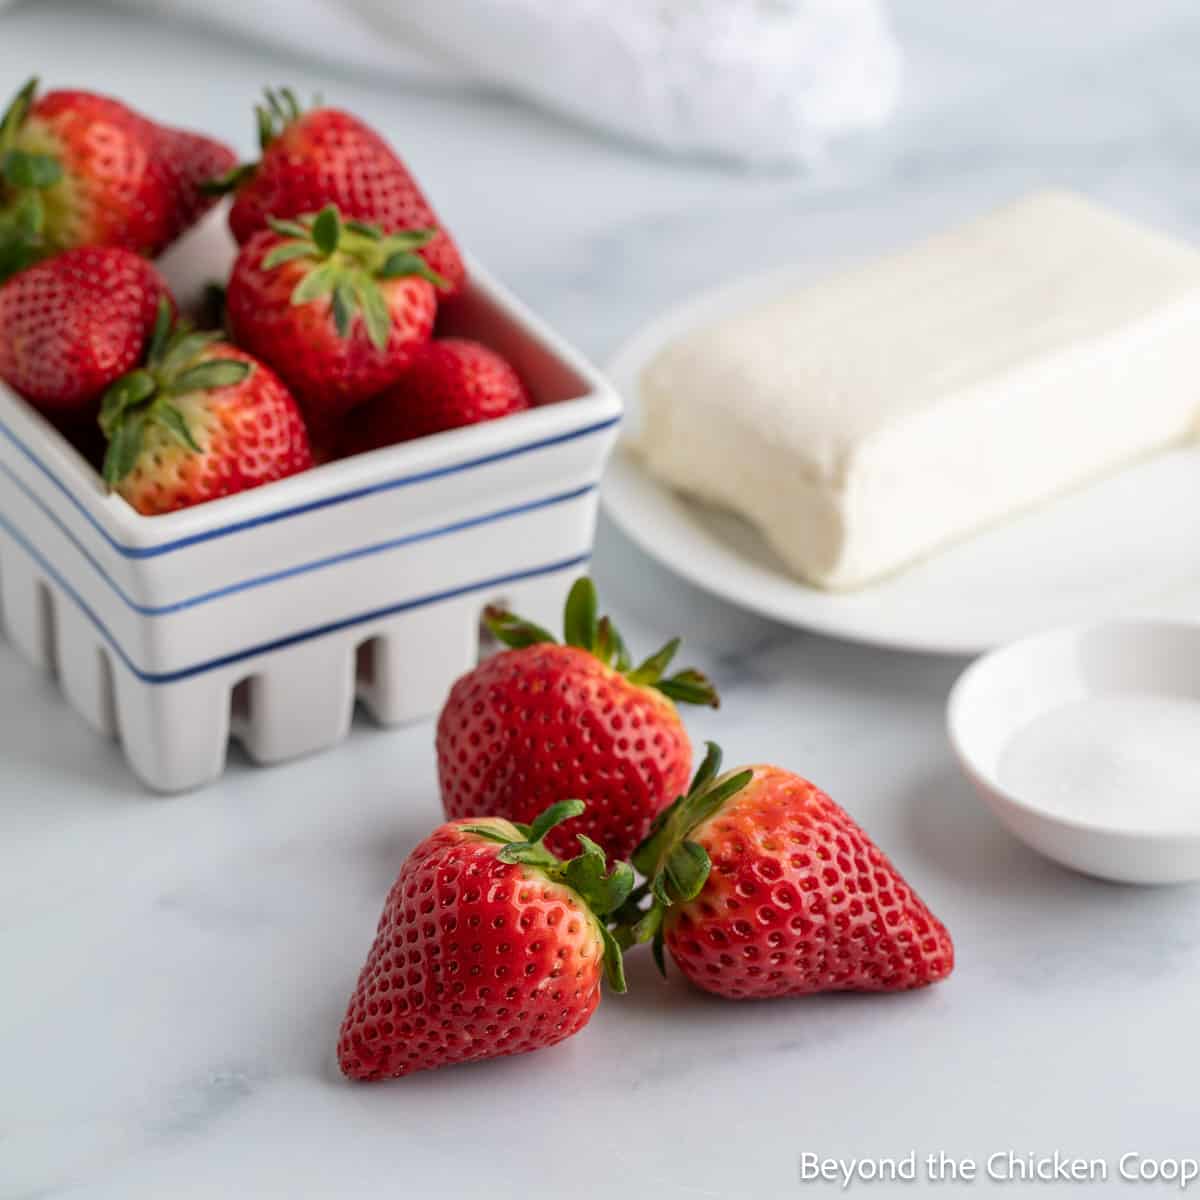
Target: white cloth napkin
(757,81)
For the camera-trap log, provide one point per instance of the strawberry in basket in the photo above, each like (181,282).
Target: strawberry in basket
(79,169)
(336,307)
(73,325)
(451,382)
(199,420)
(326,156)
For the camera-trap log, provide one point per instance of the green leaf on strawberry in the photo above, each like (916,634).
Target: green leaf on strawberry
(326,230)
(349,259)
(604,891)
(583,629)
(205,376)
(580,622)
(24,176)
(287,252)
(17,110)
(175,366)
(21,231)
(676,868)
(280,110)
(23,169)
(172,418)
(651,671)
(513,631)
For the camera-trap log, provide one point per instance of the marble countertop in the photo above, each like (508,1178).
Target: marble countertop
(173,971)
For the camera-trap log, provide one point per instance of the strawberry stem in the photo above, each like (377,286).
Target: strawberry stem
(675,867)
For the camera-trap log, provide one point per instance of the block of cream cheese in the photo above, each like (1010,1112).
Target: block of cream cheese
(870,419)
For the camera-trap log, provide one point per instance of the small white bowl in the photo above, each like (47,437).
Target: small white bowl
(1085,742)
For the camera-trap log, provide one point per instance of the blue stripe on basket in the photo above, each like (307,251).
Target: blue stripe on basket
(158,610)
(296,510)
(304,635)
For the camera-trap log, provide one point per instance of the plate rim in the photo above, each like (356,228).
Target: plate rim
(713,583)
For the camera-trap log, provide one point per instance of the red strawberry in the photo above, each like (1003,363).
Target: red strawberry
(202,419)
(73,325)
(762,886)
(80,169)
(488,945)
(337,309)
(543,720)
(325,156)
(192,159)
(451,382)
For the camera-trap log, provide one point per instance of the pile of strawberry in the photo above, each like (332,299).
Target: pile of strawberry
(553,758)
(492,941)
(328,347)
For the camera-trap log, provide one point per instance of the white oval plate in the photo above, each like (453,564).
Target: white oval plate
(1085,742)
(1127,544)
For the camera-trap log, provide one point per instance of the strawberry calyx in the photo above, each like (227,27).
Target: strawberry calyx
(25,174)
(280,109)
(675,867)
(587,874)
(175,366)
(583,628)
(349,260)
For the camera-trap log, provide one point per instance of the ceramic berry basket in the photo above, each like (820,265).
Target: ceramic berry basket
(266,615)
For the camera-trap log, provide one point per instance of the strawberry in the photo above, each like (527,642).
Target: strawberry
(762,886)
(450,382)
(192,160)
(488,945)
(326,156)
(80,169)
(201,419)
(542,720)
(338,309)
(73,325)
